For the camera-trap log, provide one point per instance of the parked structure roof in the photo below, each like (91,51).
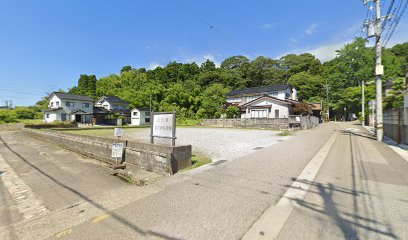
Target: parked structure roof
(113,99)
(71,96)
(259,90)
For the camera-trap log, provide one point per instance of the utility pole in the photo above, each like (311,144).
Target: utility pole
(327,101)
(362,102)
(150,105)
(379,71)
(374,29)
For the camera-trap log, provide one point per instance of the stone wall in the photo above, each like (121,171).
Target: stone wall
(305,122)
(165,160)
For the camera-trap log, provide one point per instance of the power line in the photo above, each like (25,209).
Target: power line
(212,27)
(396,22)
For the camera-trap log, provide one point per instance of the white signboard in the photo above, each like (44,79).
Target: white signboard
(297,119)
(163,125)
(117,150)
(118,132)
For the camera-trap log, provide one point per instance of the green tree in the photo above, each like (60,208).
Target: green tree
(25,113)
(395,99)
(308,86)
(234,62)
(126,69)
(232,112)
(212,100)
(305,62)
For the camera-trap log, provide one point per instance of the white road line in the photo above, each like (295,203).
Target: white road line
(269,225)
(24,198)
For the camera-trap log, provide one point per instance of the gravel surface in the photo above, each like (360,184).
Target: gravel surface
(216,143)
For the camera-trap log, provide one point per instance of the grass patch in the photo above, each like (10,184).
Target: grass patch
(31,121)
(198,161)
(188,122)
(285,133)
(93,132)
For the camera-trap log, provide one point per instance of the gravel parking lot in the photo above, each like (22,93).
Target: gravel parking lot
(216,143)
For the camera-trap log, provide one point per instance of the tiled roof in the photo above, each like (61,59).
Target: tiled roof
(114,99)
(71,96)
(260,90)
(269,97)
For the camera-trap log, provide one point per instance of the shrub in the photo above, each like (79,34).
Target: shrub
(7,116)
(232,112)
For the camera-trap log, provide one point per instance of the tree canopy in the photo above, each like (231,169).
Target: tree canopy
(199,90)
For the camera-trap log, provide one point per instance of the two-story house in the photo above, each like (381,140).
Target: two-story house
(112,103)
(108,107)
(274,101)
(69,107)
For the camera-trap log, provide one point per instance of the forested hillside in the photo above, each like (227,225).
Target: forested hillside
(199,91)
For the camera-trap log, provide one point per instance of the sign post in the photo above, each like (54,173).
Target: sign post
(117,148)
(163,125)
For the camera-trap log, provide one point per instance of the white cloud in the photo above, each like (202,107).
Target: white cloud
(268,26)
(154,65)
(311,29)
(324,52)
(199,59)
(293,40)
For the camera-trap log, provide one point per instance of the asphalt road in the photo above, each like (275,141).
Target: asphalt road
(360,192)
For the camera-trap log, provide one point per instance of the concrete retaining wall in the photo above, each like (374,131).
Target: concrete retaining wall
(11,126)
(165,160)
(305,122)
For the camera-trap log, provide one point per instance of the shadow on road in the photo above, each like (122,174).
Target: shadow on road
(347,221)
(114,215)
(350,221)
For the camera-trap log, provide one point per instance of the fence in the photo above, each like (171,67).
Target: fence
(394,125)
(304,122)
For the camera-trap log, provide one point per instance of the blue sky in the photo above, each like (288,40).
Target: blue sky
(46,44)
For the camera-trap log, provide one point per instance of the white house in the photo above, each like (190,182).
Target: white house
(274,101)
(112,103)
(140,116)
(69,107)
(108,107)
(267,107)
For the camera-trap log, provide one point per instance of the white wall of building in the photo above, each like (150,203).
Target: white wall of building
(267,109)
(139,117)
(73,105)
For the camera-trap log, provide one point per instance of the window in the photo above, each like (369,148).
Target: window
(52,104)
(147,114)
(85,105)
(57,104)
(277,113)
(116,107)
(47,116)
(135,114)
(70,104)
(147,120)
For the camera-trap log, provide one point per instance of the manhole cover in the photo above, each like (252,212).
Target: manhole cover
(257,148)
